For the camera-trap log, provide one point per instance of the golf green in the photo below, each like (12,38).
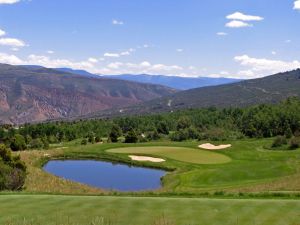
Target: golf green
(182,154)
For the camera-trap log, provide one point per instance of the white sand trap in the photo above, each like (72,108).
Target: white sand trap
(145,158)
(210,146)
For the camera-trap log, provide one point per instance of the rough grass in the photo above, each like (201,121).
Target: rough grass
(39,181)
(70,210)
(188,155)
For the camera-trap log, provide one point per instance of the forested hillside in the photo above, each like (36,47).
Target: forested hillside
(271,89)
(203,124)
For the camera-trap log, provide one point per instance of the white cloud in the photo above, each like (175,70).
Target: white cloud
(118,55)
(112,55)
(288,41)
(222,34)
(179,50)
(243,17)
(8,1)
(237,24)
(56,63)
(125,53)
(10,59)
(274,53)
(93,60)
(117,22)
(2,32)
(246,74)
(113,68)
(50,52)
(297,4)
(12,42)
(259,67)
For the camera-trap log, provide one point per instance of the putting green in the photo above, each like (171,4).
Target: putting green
(188,155)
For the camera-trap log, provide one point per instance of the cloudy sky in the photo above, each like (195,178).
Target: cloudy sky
(215,38)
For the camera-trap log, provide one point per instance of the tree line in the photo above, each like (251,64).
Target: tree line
(261,121)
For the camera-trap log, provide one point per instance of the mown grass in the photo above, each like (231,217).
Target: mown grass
(182,154)
(83,210)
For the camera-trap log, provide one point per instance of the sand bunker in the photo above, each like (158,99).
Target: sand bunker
(209,146)
(145,158)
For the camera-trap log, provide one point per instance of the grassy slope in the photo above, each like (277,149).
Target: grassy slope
(252,169)
(58,210)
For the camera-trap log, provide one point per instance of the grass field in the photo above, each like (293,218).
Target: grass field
(83,210)
(249,167)
(188,155)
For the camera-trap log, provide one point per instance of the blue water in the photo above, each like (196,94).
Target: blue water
(106,175)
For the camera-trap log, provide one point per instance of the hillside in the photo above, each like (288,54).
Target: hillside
(271,89)
(38,94)
(180,83)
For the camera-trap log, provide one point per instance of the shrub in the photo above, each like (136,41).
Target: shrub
(98,139)
(115,133)
(18,143)
(180,135)
(131,137)
(279,141)
(163,128)
(84,142)
(36,143)
(295,143)
(12,170)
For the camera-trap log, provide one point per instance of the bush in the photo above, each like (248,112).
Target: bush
(84,142)
(12,170)
(180,135)
(98,139)
(279,141)
(18,143)
(36,143)
(115,133)
(131,137)
(153,135)
(295,143)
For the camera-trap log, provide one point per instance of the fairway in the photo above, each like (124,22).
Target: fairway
(58,210)
(182,154)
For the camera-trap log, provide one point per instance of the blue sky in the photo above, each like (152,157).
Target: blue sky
(228,38)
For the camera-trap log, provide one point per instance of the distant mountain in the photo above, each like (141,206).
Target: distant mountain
(78,72)
(34,94)
(180,83)
(271,89)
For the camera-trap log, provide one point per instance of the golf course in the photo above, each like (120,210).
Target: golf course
(242,184)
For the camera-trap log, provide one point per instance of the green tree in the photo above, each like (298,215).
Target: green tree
(163,128)
(12,170)
(36,143)
(131,137)
(183,123)
(18,143)
(115,133)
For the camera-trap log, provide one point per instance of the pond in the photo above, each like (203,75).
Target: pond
(106,175)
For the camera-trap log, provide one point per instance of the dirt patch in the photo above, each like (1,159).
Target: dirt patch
(209,146)
(145,158)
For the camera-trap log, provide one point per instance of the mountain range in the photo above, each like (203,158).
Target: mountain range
(34,94)
(176,82)
(267,90)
